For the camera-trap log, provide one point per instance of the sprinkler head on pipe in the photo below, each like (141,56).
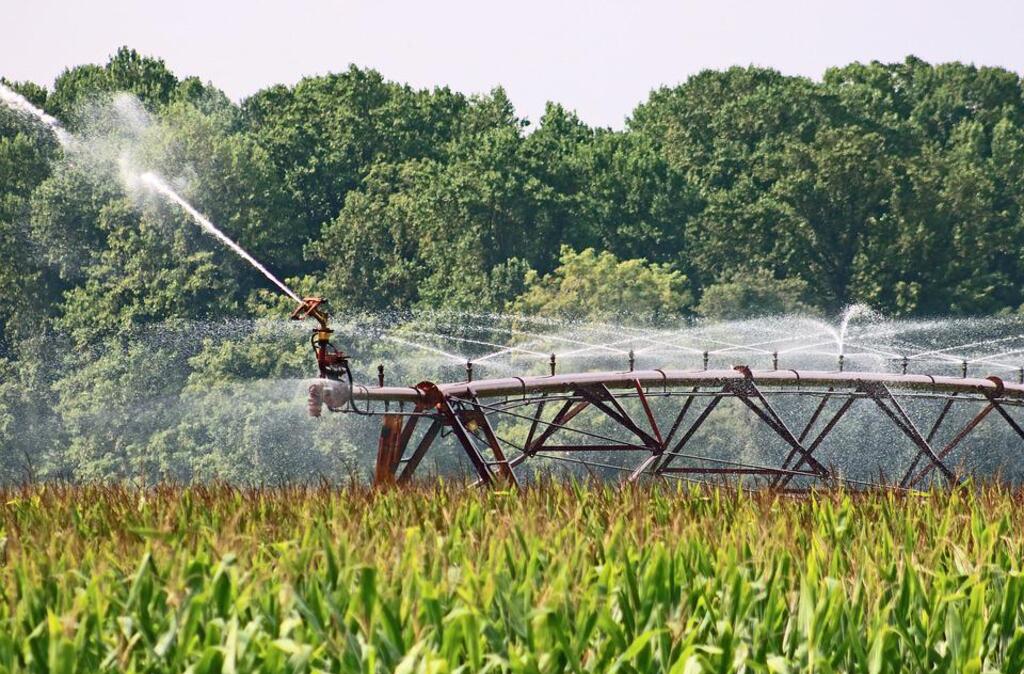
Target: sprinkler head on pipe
(331,361)
(312,307)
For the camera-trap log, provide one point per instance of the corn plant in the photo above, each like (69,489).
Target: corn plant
(555,578)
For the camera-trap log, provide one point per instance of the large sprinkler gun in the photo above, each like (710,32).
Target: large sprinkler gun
(330,360)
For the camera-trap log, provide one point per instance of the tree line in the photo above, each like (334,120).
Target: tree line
(736,192)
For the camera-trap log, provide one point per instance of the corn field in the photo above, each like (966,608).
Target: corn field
(558,578)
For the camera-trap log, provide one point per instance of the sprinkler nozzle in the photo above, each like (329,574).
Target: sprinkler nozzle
(331,361)
(313,307)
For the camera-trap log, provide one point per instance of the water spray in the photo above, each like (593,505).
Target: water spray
(157,184)
(21,104)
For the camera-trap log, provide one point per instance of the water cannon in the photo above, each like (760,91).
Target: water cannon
(331,361)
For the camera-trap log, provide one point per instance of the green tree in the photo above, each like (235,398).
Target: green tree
(126,71)
(324,134)
(598,286)
(29,289)
(756,292)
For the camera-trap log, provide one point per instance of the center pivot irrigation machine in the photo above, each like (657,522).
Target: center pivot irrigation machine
(643,423)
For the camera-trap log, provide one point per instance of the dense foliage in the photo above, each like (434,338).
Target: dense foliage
(556,579)
(741,191)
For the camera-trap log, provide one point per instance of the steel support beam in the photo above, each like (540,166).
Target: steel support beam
(470,413)
(462,435)
(931,437)
(697,423)
(504,469)
(389,450)
(599,396)
(421,449)
(964,432)
(843,409)
(881,394)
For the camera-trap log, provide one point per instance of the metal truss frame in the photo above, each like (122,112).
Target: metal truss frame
(474,412)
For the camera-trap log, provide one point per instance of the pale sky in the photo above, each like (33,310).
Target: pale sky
(599,58)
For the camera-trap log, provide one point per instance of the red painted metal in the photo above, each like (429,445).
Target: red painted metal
(388,450)
(504,469)
(413,462)
(471,409)
(565,383)
(964,432)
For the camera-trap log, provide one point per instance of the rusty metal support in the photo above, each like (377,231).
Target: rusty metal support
(650,415)
(473,411)
(504,469)
(817,413)
(564,416)
(533,424)
(904,482)
(388,450)
(964,432)
(809,425)
(748,389)
(682,414)
(993,404)
(697,423)
(881,394)
(1006,416)
(601,398)
(655,457)
(843,409)
(454,420)
(416,457)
